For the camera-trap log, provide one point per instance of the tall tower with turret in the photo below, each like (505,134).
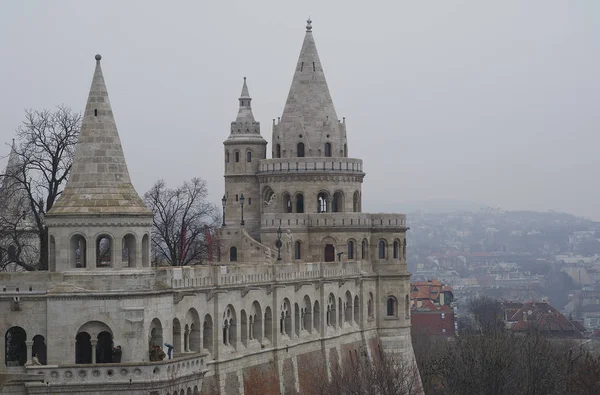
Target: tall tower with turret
(244,148)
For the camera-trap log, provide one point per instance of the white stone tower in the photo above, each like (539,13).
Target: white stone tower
(309,125)
(99,221)
(244,148)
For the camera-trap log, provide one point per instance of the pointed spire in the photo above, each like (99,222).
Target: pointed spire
(99,182)
(309,109)
(245,115)
(245,93)
(13,158)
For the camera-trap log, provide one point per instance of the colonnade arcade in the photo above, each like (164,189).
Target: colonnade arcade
(325,202)
(104,251)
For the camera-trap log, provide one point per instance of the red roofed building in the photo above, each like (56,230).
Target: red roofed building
(540,317)
(431,310)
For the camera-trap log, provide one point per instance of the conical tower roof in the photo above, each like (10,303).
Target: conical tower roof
(309,97)
(12,194)
(245,112)
(99,182)
(245,126)
(309,109)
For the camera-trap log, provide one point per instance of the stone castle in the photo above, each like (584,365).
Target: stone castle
(306,282)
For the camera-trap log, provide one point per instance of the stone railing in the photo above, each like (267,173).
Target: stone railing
(328,220)
(236,275)
(103,374)
(310,165)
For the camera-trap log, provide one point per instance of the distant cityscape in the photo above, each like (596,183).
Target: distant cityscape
(516,257)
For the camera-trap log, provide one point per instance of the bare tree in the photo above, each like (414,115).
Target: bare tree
(183,222)
(487,313)
(385,375)
(45,146)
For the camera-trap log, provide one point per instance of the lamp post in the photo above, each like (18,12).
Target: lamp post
(224,201)
(242,198)
(278,243)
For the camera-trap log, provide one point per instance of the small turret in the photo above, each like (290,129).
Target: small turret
(86,225)
(243,149)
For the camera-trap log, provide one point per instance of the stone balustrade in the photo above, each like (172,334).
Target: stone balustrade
(359,221)
(235,275)
(310,165)
(118,373)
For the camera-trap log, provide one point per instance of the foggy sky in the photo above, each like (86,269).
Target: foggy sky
(494,102)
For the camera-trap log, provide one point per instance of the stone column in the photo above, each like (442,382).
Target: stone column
(94,343)
(138,254)
(29,344)
(90,253)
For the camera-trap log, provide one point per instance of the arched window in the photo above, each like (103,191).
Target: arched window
(300,150)
(244,327)
(345,150)
(298,250)
(249,156)
(229,327)
(233,254)
(370,306)
(407,305)
(322,202)
(356,202)
(39,348)
(194,339)
(278,151)
(348,308)
(396,249)
(363,249)
(331,316)
(129,251)
(177,345)
(268,325)
(146,251)
(256,322)
(392,307)
(287,203)
(104,347)
(207,334)
(350,249)
(104,249)
(337,204)
(226,156)
(15,349)
(299,203)
(356,309)
(78,251)
(404,249)
(83,348)
(382,246)
(237,156)
(327,149)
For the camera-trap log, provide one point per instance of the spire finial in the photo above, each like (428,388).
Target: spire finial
(98,57)
(308,25)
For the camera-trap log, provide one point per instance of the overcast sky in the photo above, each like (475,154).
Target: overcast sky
(494,102)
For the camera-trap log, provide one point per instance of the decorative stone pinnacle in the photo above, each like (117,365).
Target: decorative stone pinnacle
(98,57)
(308,25)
